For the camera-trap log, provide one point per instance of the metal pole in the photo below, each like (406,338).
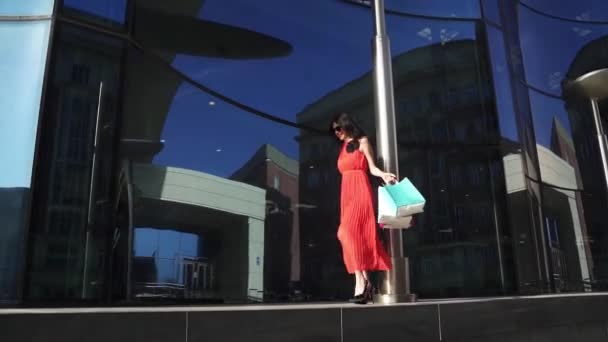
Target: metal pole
(600,136)
(92,195)
(394,284)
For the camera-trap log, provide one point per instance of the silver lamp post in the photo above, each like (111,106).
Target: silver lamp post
(395,284)
(594,87)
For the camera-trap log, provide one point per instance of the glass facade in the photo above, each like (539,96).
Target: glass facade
(23,58)
(14,9)
(182,153)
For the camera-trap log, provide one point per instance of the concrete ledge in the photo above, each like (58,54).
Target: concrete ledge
(576,317)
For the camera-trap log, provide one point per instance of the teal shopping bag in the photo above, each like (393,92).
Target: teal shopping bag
(399,200)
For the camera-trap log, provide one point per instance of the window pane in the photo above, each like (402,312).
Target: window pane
(29,7)
(448,143)
(574,199)
(302,85)
(276,44)
(22,64)
(437,8)
(216,164)
(74,191)
(206,187)
(104,12)
(502,85)
(551,48)
(491,10)
(583,10)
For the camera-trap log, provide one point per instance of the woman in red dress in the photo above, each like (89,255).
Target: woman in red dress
(362,248)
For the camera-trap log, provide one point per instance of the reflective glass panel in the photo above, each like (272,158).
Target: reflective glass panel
(277,44)
(105,12)
(551,49)
(449,140)
(217,206)
(573,200)
(215,178)
(583,10)
(491,10)
(29,7)
(436,8)
(22,64)
(73,208)
(502,85)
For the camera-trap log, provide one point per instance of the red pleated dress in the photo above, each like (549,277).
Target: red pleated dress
(362,248)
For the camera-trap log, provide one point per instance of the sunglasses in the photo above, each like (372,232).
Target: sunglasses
(337,129)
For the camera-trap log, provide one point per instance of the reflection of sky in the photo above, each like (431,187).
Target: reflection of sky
(26,7)
(22,60)
(502,86)
(596,10)
(545,109)
(165,246)
(491,11)
(108,9)
(331,46)
(440,8)
(550,46)
(216,139)
(328,52)
(148,242)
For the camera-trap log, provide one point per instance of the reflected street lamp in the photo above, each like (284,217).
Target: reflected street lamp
(594,87)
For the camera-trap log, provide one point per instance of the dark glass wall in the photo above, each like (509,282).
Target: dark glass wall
(449,145)
(73,212)
(185,154)
(572,42)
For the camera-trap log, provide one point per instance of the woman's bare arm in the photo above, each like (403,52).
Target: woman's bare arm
(367,150)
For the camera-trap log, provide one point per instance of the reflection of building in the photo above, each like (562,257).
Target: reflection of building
(278,174)
(145,87)
(582,153)
(563,221)
(229,213)
(11,237)
(563,147)
(64,213)
(73,254)
(446,132)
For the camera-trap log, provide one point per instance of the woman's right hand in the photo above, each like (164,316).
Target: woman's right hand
(389,178)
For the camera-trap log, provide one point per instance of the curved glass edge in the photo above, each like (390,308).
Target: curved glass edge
(554,50)
(26,8)
(22,64)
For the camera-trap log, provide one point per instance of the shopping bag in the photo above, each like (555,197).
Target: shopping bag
(398,223)
(399,200)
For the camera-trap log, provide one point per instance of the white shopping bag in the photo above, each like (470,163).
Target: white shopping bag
(398,222)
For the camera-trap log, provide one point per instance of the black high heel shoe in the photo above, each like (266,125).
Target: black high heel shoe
(366,296)
(356,299)
(359,297)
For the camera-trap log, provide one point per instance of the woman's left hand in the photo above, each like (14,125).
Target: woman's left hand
(389,178)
